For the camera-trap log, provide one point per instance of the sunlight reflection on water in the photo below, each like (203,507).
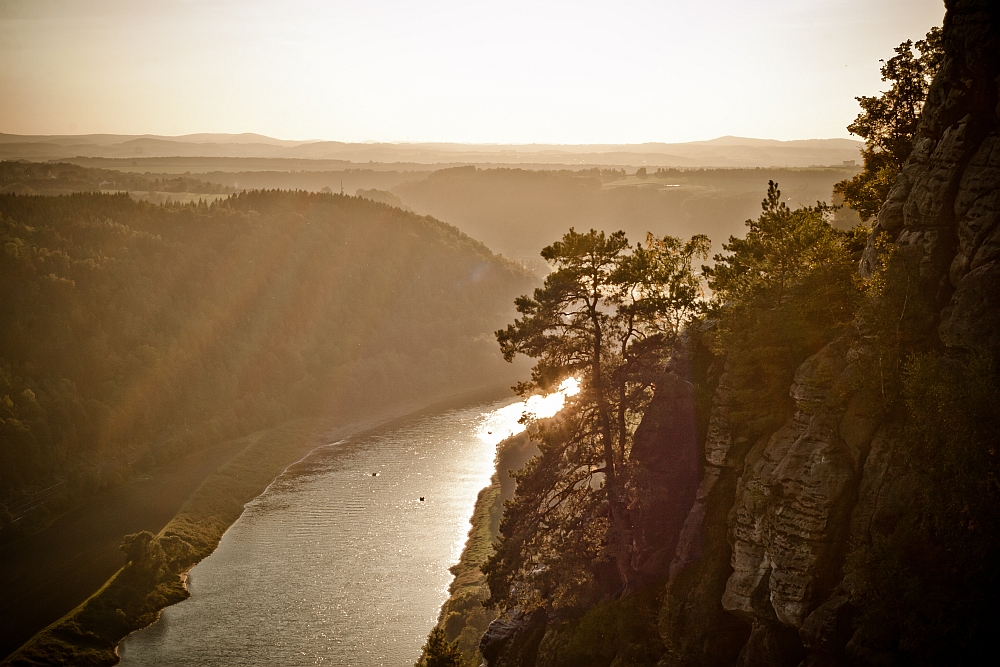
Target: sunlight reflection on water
(333,566)
(500,424)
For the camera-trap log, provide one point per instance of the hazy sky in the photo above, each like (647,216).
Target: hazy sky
(442,70)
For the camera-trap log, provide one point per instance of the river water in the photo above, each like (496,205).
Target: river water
(332,565)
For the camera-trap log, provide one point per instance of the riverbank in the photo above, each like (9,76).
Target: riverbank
(463,616)
(45,575)
(133,597)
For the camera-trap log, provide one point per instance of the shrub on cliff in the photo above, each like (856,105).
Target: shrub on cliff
(438,652)
(780,294)
(888,122)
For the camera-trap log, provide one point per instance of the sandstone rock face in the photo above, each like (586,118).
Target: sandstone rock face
(829,474)
(694,627)
(826,631)
(719,441)
(788,525)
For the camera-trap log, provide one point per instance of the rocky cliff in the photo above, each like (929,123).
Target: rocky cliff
(774,554)
(765,584)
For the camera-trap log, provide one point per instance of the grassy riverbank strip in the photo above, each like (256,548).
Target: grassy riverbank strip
(154,576)
(463,616)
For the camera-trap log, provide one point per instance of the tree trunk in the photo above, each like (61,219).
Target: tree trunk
(617,514)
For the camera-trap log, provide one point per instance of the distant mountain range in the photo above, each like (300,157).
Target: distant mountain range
(722,152)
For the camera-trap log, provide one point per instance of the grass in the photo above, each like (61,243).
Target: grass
(219,501)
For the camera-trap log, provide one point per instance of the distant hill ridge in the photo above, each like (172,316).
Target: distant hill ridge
(725,151)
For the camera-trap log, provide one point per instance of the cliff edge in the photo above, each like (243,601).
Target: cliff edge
(863,529)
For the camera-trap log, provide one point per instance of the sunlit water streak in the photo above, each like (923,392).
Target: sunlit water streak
(333,566)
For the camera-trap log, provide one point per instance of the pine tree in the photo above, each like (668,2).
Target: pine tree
(889,121)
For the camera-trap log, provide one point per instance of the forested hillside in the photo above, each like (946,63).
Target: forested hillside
(513,211)
(516,211)
(131,333)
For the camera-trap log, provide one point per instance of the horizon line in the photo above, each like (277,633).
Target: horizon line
(419,142)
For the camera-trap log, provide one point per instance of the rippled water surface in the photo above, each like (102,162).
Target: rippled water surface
(334,566)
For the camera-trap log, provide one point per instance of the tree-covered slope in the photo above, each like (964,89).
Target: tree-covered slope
(130,333)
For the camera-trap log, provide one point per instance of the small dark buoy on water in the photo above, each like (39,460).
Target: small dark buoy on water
(421,499)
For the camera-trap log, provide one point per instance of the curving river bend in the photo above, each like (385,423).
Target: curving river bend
(333,566)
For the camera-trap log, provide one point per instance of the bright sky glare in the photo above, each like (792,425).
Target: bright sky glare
(572,71)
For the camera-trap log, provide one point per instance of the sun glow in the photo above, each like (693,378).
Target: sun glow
(507,421)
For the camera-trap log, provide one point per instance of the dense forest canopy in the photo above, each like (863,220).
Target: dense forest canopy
(131,332)
(513,211)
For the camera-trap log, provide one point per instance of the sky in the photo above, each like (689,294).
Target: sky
(505,71)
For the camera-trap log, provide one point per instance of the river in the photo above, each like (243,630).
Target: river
(344,559)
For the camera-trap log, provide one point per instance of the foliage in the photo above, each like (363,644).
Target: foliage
(554,530)
(438,652)
(620,631)
(609,315)
(779,295)
(889,122)
(383,196)
(894,320)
